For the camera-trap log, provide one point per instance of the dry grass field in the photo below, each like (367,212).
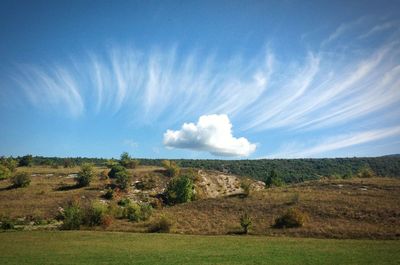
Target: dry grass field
(354,208)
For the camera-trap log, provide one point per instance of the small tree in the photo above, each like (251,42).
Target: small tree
(172,168)
(274,179)
(85,175)
(114,170)
(122,179)
(5,173)
(21,180)
(245,184)
(366,172)
(72,216)
(25,161)
(179,190)
(245,223)
(127,161)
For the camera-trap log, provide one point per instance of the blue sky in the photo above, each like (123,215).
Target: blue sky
(200,79)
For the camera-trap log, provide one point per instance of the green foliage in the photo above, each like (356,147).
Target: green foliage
(149,182)
(85,175)
(6,224)
(172,169)
(161,225)
(72,217)
(21,180)
(124,202)
(366,172)
(109,194)
(8,162)
(122,179)
(245,223)
(245,184)
(273,179)
(25,161)
(127,161)
(5,173)
(179,190)
(137,212)
(292,218)
(95,214)
(115,168)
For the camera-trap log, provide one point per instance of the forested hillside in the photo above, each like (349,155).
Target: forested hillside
(291,170)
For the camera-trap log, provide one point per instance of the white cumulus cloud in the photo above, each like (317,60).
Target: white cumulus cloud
(212,133)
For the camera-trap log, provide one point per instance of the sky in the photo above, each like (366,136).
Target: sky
(200,79)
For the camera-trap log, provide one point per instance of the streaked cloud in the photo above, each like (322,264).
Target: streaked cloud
(211,133)
(295,150)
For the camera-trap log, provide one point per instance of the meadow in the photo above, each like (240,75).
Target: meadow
(88,247)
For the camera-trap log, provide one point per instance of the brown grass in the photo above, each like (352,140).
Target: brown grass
(355,208)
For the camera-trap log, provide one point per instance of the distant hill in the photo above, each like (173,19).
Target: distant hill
(291,170)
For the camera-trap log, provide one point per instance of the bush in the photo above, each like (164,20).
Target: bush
(6,224)
(366,172)
(149,182)
(72,217)
(245,184)
(85,175)
(103,175)
(274,179)
(25,161)
(115,169)
(109,194)
(95,214)
(122,179)
(179,190)
(292,218)
(138,212)
(5,173)
(9,163)
(172,168)
(162,225)
(21,180)
(127,161)
(245,223)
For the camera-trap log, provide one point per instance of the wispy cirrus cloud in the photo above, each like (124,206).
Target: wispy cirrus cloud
(338,142)
(324,88)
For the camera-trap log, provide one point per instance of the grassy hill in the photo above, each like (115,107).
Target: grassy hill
(336,208)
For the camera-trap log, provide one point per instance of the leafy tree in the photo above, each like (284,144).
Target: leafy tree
(122,179)
(172,168)
(245,223)
(179,190)
(4,172)
(85,175)
(25,161)
(114,170)
(127,161)
(273,179)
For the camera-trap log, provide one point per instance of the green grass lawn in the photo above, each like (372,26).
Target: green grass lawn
(85,247)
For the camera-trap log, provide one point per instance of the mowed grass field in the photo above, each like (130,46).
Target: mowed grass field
(95,247)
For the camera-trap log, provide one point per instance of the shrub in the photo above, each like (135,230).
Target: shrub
(25,161)
(366,172)
(122,179)
(7,224)
(171,168)
(106,221)
(85,175)
(137,212)
(9,163)
(245,223)
(245,184)
(149,182)
(127,161)
(109,194)
(5,173)
(95,214)
(179,190)
(72,217)
(21,180)
(274,179)
(292,218)
(124,202)
(115,168)
(162,225)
